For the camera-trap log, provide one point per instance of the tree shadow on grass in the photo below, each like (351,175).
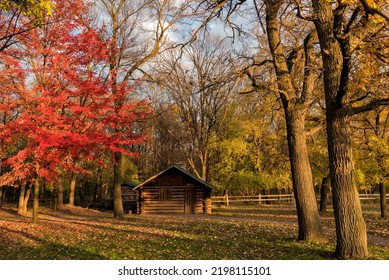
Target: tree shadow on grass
(210,240)
(218,249)
(161,237)
(11,212)
(21,245)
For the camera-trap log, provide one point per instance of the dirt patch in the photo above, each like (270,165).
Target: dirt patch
(378,240)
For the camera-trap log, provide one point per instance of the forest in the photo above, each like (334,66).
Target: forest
(252,96)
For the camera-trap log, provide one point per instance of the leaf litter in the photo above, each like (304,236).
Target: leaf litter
(79,233)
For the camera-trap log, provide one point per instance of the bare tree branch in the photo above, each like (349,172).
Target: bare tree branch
(372,105)
(367,5)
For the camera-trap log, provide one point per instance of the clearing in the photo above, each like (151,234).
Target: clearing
(237,232)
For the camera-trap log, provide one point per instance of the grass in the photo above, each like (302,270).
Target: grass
(287,213)
(244,232)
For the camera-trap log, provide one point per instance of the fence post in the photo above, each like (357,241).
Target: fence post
(227,201)
(260,199)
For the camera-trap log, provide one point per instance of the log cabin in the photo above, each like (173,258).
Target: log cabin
(174,191)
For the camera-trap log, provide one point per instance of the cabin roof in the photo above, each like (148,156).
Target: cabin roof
(129,184)
(200,181)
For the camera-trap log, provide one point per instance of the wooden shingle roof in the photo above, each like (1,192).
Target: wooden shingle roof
(181,170)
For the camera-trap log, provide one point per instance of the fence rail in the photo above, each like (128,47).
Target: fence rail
(366,196)
(260,198)
(278,198)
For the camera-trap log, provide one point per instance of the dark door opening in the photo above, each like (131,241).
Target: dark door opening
(190,200)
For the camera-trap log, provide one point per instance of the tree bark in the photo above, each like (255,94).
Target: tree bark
(36,201)
(310,228)
(21,199)
(26,198)
(383,199)
(60,192)
(324,194)
(72,191)
(1,197)
(351,238)
(204,164)
(117,184)
(351,234)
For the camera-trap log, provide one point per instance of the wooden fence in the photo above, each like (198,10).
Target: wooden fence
(274,198)
(260,198)
(373,196)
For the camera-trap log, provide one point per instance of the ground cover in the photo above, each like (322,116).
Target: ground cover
(237,232)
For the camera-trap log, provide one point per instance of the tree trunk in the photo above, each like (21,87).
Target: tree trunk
(26,198)
(95,192)
(36,201)
(383,199)
(351,234)
(204,165)
(296,105)
(1,197)
(21,199)
(310,228)
(380,163)
(72,191)
(324,194)
(117,186)
(351,237)
(60,192)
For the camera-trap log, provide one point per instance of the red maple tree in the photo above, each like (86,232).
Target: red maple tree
(60,109)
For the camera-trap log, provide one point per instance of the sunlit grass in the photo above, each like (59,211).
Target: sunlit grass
(228,234)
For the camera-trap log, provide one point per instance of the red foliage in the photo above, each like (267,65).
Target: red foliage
(59,109)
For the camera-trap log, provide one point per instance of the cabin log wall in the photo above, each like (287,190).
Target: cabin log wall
(179,203)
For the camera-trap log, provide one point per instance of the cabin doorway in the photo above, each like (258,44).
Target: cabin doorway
(190,200)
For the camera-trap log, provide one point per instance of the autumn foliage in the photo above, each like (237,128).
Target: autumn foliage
(59,107)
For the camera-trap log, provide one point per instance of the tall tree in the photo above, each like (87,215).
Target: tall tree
(135,42)
(200,83)
(296,102)
(341,29)
(296,94)
(64,110)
